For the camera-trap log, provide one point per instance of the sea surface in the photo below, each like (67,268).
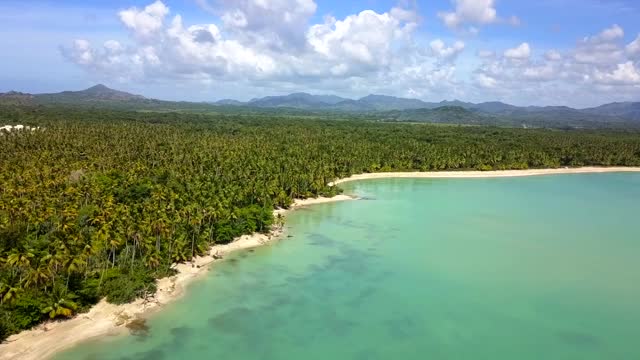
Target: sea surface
(541,267)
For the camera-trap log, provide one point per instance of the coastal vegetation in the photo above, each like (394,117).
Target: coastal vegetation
(98,203)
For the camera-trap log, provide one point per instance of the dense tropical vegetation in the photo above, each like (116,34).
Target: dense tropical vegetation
(99,203)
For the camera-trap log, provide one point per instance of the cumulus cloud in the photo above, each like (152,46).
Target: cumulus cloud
(147,21)
(485,80)
(633,48)
(624,74)
(271,43)
(470,11)
(200,48)
(81,52)
(446,53)
(113,46)
(277,23)
(600,64)
(603,48)
(613,33)
(474,12)
(523,51)
(273,46)
(553,55)
(544,72)
(352,39)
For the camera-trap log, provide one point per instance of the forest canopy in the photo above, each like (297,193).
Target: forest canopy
(99,203)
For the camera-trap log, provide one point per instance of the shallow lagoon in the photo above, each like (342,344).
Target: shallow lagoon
(511,268)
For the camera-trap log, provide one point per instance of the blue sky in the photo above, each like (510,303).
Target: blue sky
(546,52)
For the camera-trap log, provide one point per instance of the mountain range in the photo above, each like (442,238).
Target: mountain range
(381,107)
(627,110)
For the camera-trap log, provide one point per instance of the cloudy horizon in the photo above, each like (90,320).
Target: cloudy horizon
(570,52)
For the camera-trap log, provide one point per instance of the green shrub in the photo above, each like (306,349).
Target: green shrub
(27,311)
(123,287)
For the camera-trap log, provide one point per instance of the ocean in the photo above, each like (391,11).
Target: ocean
(544,267)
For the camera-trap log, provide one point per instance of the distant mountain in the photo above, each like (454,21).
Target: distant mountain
(374,107)
(458,103)
(383,102)
(332,102)
(229,102)
(628,110)
(354,106)
(98,93)
(16,98)
(297,100)
(443,114)
(330,99)
(493,107)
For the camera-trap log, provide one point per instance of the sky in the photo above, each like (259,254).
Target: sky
(578,53)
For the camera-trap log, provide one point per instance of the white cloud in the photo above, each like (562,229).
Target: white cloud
(112,46)
(613,33)
(603,48)
(523,51)
(624,74)
(360,52)
(82,52)
(470,11)
(200,48)
(633,48)
(446,53)
(146,22)
(553,55)
(545,72)
(366,52)
(485,80)
(599,67)
(364,38)
(276,23)
(476,12)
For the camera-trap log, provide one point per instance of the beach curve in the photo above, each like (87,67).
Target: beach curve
(106,319)
(464,174)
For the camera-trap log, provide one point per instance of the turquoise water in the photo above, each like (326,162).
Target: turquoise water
(513,268)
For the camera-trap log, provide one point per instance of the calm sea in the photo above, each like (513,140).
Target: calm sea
(512,268)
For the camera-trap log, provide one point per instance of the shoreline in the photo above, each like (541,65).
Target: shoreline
(104,319)
(476,174)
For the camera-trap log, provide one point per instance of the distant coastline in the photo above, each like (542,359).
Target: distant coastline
(485,174)
(105,319)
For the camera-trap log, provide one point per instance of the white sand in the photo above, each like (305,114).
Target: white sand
(485,174)
(108,319)
(105,319)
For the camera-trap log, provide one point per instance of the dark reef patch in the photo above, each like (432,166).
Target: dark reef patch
(578,339)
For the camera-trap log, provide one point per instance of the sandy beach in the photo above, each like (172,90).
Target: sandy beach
(485,174)
(106,319)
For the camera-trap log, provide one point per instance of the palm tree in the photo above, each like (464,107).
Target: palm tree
(61,307)
(37,276)
(8,293)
